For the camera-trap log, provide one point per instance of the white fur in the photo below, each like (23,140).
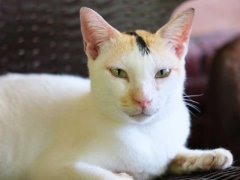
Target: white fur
(56,127)
(49,122)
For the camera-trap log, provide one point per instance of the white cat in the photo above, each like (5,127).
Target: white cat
(131,124)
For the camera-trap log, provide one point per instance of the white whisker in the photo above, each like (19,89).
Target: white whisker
(192,95)
(193,106)
(190,100)
(191,103)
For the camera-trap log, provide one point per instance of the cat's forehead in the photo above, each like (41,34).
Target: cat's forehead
(142,39)
(134,46)
(139,40)
(137,49)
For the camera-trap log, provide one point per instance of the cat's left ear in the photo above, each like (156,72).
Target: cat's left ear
(95,31)
(177,32)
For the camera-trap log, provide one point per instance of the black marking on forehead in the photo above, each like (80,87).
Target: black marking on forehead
(140,42)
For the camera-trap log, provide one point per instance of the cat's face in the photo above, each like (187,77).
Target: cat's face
(134,75)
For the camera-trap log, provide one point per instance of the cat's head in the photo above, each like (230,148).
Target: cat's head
(136,75)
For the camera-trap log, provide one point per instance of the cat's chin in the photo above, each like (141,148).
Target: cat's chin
(140,117)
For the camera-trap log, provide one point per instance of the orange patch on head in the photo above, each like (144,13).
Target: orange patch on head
(152,40)
(148,37)
(119,46)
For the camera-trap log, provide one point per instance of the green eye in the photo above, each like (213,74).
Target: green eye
(118,73)
(163,73)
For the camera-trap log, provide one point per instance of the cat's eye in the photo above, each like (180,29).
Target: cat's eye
(163,73)
(117,72)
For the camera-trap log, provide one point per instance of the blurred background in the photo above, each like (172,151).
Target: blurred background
(43,36)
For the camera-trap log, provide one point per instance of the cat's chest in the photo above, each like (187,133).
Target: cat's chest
(130,151)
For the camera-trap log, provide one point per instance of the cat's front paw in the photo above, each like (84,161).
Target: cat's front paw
(218,159)
(204,160)
(215,159)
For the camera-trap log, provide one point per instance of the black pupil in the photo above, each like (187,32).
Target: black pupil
(118,71)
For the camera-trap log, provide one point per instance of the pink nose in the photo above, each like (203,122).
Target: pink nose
(143,103)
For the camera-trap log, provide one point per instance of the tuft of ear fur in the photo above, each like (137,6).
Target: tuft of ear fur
(177,31)
(95,31)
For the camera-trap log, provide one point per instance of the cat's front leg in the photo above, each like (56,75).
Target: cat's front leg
(78,171)
(189,161)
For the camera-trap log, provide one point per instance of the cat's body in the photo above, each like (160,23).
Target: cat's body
(132,120)
(69,126)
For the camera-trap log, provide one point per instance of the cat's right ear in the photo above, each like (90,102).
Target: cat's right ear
(95,31)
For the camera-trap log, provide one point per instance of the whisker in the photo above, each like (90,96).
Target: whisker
(191,111)
(190,100)
(192,95)
(192,103)
(193,106)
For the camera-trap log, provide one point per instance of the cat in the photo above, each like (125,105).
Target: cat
(129,121)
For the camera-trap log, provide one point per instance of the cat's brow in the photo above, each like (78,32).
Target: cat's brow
(140,42)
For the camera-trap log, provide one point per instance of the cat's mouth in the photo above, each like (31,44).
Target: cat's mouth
(140,115)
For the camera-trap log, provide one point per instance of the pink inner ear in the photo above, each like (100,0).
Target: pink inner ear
(96,40)
(177,31)
(91,46)
(95,30)
(92,50)
(179,47)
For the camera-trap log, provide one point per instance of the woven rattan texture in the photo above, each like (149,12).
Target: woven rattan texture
(44,35)
(232,173)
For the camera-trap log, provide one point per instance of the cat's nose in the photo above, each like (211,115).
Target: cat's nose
(143,103)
